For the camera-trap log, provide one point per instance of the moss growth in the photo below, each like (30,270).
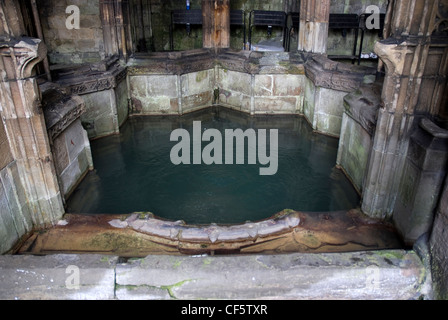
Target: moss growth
(170,288)
(283,213)
(177,264)
(145,215)
(391,254)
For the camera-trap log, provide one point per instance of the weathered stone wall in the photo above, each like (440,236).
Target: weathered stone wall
(422,180)
(72,156)
(5,152)
(342,45)
(326,85)
(256,83)
(261,93)
(358,126)
(68,139)
(14,218)
(65,46)
(275,85)
(103,88)
(439,247)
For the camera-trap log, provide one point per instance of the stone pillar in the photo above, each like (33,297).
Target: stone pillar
(216,23)
(313,32)
(107,14)
(115,27)
(405,55)
(422,181)
(25,128)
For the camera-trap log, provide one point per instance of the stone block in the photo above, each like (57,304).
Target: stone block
(328,124)
(60,153)
(235,100)
(422,180)
(233,81)
(288,85)
(354,150)
(309,100)
(5,151)
(439,249)
(330,102)
(155,94)
(276,105)
(56,277)
(197,82)
(8,232)
(264,85)
(197,101)
(75,140)
(17,197)
(361,275)
(74,172)
(121,96)
(100,116)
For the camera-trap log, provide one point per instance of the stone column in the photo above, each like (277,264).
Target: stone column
(107,14)
(25,128)
(115,27)
(313,33)
(216,23)
(405,56)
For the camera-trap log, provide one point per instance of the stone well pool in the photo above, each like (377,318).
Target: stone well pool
(134,173)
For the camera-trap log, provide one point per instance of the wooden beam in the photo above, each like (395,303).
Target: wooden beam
(216,23)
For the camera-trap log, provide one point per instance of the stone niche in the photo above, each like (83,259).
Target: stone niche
(68,139)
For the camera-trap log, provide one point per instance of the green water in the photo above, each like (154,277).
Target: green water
(133,172)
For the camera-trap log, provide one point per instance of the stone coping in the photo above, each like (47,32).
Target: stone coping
(178,230)
(362,106)
(60,109)
(141,234)
(433,129)
(391,274)
(319,68)
(104,75)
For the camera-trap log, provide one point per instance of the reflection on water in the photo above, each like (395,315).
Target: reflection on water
(133,172)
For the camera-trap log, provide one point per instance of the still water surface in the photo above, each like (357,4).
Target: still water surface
(133,172)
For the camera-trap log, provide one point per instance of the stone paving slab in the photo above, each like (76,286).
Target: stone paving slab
(57,277)
(363,275)
(390,274)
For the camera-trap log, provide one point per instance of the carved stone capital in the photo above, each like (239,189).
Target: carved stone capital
(21,55)
(393,53)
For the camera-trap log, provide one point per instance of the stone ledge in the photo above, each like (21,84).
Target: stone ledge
(60,109)
(362,106)
(90,78)
(330,74)
(391,274)
(251,62)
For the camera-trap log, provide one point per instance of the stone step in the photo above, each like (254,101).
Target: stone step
(388,274)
